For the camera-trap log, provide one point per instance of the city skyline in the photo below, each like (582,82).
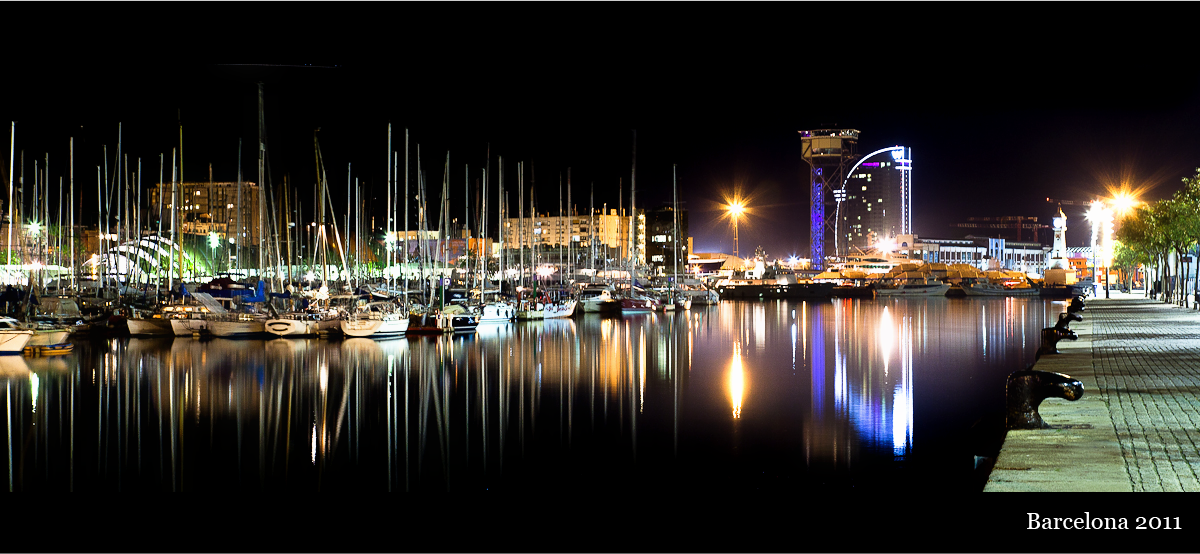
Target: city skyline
(994,136)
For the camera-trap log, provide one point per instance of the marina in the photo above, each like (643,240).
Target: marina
(822,395)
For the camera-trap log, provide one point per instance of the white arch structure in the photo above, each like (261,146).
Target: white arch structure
(149,249)
(903,157)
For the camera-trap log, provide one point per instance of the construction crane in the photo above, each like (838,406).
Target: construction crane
(1068,202)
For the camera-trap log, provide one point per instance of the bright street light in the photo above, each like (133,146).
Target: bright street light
(735,208)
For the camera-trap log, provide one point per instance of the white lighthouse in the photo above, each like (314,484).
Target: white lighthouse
(1059,271)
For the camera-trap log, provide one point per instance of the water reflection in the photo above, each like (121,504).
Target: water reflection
(837,391)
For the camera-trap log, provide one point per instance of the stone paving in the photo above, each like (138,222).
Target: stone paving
(1137,427)
(1146,357)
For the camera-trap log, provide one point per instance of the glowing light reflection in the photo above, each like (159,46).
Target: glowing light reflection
(737,381)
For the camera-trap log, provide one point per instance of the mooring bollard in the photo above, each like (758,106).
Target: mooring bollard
(1025,391)
(1076,305)
(1060,331)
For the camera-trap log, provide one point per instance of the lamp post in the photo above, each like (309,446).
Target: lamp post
(735,209)
(1100,216)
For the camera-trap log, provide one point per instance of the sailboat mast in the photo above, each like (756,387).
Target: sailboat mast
(12,144)
(287,229)
(675,224)
(570,228)
(238,250)
(559,233)
(500,227)
(71,210)
(173,206)
(633,219)
(521,219)
(592,227)
(483,262)
(404,257)
(467,216)
(387,210)
(262,185)
(157,256)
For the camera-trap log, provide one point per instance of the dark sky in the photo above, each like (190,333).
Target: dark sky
(1003,105)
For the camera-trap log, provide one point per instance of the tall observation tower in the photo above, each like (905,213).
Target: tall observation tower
(829,154)
(871,195)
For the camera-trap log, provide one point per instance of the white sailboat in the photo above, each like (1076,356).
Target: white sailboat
(376,320)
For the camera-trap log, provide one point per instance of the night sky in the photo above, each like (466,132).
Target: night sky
(1003,105)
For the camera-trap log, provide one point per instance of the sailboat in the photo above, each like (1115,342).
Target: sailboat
(382,319)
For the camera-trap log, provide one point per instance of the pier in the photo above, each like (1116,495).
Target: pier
(1137,426)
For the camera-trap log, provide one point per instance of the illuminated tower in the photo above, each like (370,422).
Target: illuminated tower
(829,153)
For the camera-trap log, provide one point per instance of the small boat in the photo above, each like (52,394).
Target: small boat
(430,324)
(999,283)
(494,312)
(598,299)
(531,309)
(49,349)
(637,303)
(463,323)
(697,293)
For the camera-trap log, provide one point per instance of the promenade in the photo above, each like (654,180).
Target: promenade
(1137,426)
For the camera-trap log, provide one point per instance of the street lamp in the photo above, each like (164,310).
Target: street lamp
(1101,217)
(735,209)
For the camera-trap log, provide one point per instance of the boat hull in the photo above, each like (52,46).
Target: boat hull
(151,326)
(565,309)
(793,290)
(996,290)
(375,328)
(188,327)
(638,306)
(237,329)
(301,327)
(13,341)
(914,290)
(47,337)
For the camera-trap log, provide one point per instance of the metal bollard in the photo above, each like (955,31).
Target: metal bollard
(1025,391)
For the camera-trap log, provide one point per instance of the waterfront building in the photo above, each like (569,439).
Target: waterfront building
(984,253)
(607,232)
(210,207)
(661,248)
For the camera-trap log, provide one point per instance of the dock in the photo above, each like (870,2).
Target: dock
(1137,426)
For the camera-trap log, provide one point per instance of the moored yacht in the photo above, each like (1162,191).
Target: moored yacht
(376,320)
(598,298)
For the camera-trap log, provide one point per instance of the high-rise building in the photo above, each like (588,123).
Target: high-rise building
(661,236)
(210,208)
(873,205)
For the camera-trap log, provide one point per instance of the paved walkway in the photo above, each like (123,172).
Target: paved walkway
(1137,427)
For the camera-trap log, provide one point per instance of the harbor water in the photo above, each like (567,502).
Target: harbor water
(826,395)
